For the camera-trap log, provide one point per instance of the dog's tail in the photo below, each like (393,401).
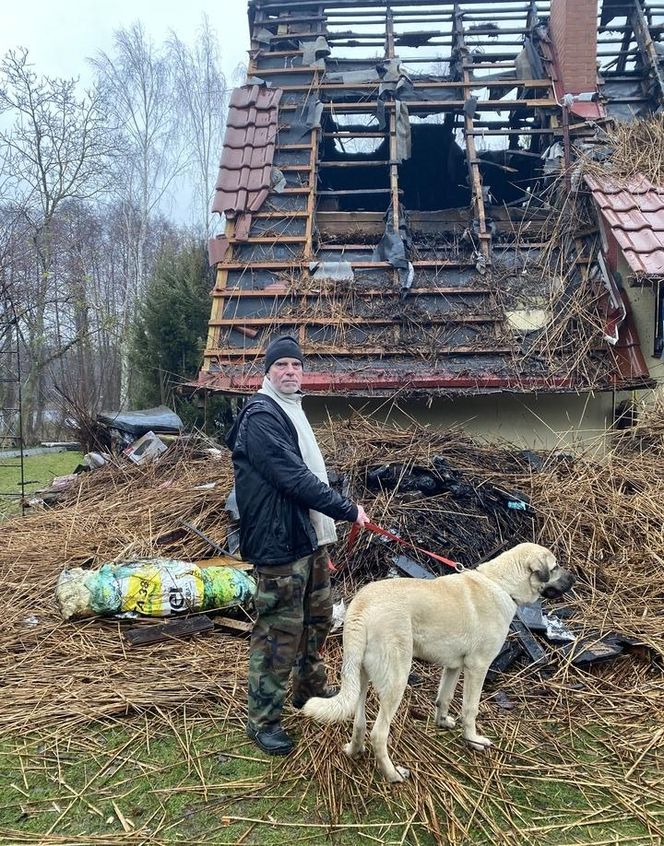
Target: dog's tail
(342,706)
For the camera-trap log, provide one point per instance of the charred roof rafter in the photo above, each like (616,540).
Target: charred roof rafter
(320,257)
(464,72)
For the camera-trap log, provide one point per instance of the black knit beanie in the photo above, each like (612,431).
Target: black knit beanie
(284,347)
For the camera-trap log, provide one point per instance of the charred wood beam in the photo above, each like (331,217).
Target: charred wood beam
(473,168)
(363,265)
(362,163)
(330,5)
(354,134)
(355,322)
(497,58)
(430,106)
(375,39)
(269,239)
(493,31)
(357,191)
(241,354)
(647,48)
(369,293)
(525,130)
(471,83)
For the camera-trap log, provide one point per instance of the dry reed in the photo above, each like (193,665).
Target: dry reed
(596,731)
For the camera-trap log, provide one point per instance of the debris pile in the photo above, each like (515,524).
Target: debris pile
(137,436)
(439,490)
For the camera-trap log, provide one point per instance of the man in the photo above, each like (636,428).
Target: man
(287,512)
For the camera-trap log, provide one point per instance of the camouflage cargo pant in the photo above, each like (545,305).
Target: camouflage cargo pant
(294,608)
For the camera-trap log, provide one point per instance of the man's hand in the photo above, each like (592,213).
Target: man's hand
(361,515)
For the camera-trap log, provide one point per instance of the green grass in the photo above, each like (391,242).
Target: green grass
(184,785)
(168,778)
(39,470)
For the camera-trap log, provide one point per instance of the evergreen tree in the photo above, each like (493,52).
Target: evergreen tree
(170,326)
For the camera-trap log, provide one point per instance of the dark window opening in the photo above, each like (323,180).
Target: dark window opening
(435,177)
(354,167)
(659,326)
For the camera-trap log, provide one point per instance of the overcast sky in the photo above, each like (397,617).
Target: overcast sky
(61,34)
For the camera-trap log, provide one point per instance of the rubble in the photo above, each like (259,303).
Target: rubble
(603,519)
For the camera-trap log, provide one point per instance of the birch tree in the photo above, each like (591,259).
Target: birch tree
(202,96)
(137,82)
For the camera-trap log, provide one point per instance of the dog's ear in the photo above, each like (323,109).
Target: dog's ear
(541,565)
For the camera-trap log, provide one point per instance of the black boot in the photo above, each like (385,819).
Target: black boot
(272,740)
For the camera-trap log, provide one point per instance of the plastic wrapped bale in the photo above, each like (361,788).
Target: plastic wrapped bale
(158,587)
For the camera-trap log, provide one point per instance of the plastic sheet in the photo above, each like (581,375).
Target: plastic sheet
(159,419)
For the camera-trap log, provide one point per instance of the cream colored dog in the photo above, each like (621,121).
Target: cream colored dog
(459,622)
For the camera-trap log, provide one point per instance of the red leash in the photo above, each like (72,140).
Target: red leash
(378,530)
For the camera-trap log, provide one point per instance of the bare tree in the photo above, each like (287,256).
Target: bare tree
(202,94)
(137,82)
(56,148)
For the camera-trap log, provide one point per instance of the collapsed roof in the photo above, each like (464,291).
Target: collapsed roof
(397,187)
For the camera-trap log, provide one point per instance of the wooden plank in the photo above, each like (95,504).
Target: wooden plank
(349,134)
(359,351)
(294,168)
(364,163)
(357,322)
(286,71)
(269,239)
(172,630)
(234,625)
(466,83)
(357,192)
(224,561)
(365,265)
(532,647)
(333,293)
(369,106)
(275,215)
(311,197)
(471,153)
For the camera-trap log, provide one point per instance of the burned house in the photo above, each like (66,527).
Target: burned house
(403,190)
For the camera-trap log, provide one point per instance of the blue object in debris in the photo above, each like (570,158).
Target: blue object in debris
(517,504)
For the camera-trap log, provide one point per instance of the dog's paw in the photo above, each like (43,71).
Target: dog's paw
(479,743)
(445,722)
(400,774)
(353,751)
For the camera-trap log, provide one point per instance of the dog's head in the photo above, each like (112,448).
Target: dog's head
(527,572)
(547,578)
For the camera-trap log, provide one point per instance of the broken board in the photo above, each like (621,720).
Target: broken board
(224,561)
(174,629)
(239,626)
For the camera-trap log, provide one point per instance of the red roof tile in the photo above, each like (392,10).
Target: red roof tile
(246,163)
(630,364)
(634,211)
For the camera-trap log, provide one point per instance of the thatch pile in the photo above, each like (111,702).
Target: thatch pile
(646,435)
(635,149)
(606,519)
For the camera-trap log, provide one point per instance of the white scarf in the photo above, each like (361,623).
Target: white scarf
(291,404)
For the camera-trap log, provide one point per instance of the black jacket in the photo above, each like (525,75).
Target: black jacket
(274,487)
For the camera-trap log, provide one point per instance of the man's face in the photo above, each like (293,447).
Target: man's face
(286,375)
